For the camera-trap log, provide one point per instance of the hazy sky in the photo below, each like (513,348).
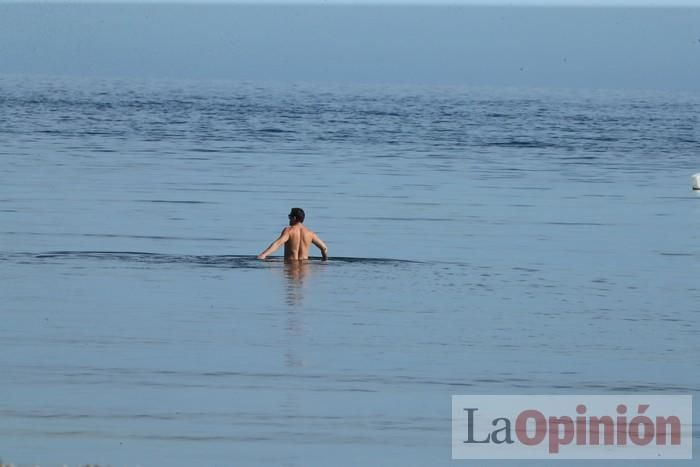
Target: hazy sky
(616,48)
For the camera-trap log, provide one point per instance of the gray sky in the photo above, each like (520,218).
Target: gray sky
(614,48)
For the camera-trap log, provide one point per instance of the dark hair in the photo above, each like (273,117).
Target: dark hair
(298,214)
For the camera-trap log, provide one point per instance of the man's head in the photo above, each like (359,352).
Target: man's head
(296,215)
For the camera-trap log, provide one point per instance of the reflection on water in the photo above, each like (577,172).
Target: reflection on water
(295,272)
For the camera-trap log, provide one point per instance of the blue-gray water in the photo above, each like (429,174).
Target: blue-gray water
(486,241)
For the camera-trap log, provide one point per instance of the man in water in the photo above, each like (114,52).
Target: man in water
(296,239)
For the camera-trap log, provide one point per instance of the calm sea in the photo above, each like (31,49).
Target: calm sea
(483,241)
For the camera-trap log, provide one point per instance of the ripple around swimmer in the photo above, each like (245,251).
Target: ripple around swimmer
(222,261)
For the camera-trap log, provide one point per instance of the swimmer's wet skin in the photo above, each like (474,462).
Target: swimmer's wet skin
(296,239)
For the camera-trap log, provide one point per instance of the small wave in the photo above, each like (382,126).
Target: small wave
(521,144)
(111,235)
(274,130)
(588,224)
(221,261)
(172,201)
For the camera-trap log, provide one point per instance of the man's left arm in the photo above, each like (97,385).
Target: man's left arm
(321,246)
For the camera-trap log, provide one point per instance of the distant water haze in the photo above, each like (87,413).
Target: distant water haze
(574,47)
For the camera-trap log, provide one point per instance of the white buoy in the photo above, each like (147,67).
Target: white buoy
(696,181)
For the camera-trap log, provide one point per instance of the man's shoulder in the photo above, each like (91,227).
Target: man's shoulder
(293,229)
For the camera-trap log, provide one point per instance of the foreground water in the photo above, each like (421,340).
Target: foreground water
(482,242)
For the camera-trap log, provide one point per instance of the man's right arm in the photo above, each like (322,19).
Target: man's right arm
(284,236)
(321,246)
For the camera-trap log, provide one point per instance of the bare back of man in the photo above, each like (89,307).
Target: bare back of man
(296,240)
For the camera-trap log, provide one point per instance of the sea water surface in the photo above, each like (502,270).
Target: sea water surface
(482,241)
